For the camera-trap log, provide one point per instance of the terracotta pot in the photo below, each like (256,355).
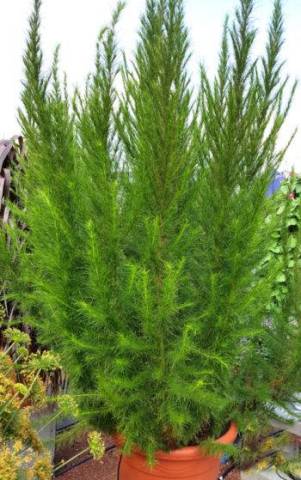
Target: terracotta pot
(184,463)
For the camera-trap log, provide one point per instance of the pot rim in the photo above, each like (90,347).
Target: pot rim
(191,452)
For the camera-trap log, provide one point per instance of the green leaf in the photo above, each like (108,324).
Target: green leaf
(292,242)
(280,210)
(281,278)
(284,188)
(298,187)
(291,222)
(276,249)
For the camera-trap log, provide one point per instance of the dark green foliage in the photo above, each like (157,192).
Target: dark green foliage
(285,247)
(284,305)
(145,241)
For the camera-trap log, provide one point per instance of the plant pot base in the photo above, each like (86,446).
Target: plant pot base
(132,468)
(188,463)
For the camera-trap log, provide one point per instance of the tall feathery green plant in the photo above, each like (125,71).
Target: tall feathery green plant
(242,112)
(144,245)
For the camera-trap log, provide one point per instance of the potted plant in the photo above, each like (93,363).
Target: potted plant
(145,244)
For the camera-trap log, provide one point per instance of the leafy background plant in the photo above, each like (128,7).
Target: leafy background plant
(285,246)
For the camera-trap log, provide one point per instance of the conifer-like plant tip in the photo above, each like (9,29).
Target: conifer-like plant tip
(143,262)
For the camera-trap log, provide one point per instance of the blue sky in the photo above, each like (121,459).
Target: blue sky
(75,24)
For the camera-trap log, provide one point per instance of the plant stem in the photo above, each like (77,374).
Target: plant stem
(9,348)
(54,417)
(58,467)
(31,387)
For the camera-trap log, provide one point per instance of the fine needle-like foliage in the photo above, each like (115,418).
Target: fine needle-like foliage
(147,229)
(242,112)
